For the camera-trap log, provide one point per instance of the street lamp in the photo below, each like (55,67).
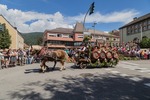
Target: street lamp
(90,11)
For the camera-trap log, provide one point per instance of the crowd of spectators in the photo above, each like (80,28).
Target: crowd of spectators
(13,57)
(129,49)
(19,57)
(132,49)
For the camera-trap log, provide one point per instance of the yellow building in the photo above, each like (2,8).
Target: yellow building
(17,40)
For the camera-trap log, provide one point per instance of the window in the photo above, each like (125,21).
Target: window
(52,35)
(80,36)
(136,30)
(71,36)
(65,35)
(55,42)
(144,28)
(145,23)
(59,35)
(131,31)
(107,38)
(77,43)
(128,30)
(136,26)
(149,22)
(1,27)
(148,27)
(139,29)
(69,44)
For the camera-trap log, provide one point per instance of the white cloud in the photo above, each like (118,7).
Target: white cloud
(123,16)
(31,21)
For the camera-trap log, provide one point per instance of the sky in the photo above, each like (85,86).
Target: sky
(41,15)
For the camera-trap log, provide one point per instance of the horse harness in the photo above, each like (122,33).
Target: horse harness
(48,54)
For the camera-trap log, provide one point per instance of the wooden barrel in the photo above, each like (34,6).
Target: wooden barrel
(115,55)
(109,55)
(95,54)
(102,55)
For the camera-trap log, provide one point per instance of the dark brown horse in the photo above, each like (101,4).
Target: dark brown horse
(56,56)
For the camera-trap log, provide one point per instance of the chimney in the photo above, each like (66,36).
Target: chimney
(15,28)
(135,18)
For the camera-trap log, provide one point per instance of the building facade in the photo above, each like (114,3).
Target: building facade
(61,38)
(135,30)
(17,40)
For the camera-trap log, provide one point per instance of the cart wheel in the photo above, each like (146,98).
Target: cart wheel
(76,64)
(83,66)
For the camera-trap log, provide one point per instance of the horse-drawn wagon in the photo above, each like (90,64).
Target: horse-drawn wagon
(96,56)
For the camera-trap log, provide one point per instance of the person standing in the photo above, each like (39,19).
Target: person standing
(20,56)
(1,59)
(13,57)
(7,57)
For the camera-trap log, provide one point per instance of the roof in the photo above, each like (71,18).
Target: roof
(12,26)
(116,32)
(137,20)
(78,27)
(61,30)
(100,33)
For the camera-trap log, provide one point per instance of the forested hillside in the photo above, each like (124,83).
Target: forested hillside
(34,38)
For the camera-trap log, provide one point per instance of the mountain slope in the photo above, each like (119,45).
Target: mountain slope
(34,38)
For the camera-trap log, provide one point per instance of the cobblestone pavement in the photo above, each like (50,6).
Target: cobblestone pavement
(129,80)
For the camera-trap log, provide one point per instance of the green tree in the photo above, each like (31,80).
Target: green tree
(5,38)
(39,40)
(145,43)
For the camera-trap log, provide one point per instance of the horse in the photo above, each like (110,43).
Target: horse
(56,56)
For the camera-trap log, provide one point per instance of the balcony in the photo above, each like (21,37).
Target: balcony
(55,46)
(60,38)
